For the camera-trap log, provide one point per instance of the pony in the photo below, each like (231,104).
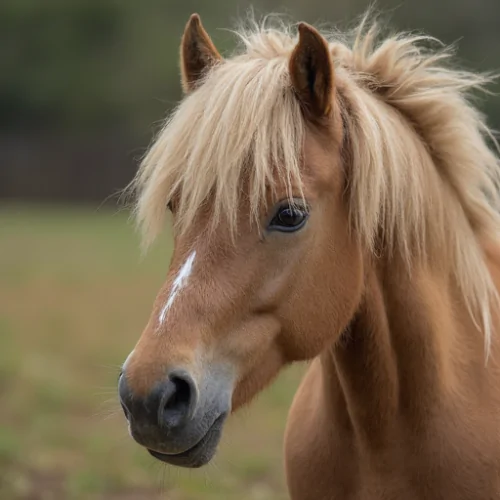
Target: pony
(333,199)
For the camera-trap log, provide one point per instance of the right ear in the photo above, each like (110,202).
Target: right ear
(198,53)
(311,71)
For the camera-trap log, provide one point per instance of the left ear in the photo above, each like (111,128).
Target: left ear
(311,71)
(198,53)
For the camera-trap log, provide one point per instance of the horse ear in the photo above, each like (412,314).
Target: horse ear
(198,53)
(311,71)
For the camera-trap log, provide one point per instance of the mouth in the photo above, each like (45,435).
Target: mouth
(199,454)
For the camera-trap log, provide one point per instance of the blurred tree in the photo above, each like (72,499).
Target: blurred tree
(103,63)
(101,67)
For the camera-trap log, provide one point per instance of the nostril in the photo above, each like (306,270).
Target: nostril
(170,404)
(178,401)
(180,398)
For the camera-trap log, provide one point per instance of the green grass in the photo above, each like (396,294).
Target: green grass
(74,296)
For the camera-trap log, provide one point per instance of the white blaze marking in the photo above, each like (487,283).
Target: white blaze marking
(179,283)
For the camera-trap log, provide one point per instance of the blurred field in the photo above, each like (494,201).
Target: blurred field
(74,296)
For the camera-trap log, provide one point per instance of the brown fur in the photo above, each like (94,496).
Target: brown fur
(403,406)
(399,402)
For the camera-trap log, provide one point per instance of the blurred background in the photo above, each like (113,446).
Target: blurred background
(83,85)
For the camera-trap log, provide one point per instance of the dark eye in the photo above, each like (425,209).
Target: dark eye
(289,218)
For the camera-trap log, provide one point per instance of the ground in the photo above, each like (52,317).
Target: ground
(74,296)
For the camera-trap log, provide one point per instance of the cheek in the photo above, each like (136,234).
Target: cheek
(324,297)
(245,344)
(269,364)
(254,353)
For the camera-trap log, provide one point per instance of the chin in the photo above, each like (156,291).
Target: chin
(198,455)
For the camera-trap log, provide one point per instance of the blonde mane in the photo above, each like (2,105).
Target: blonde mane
(422,180)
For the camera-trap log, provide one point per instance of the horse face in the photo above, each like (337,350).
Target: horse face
(235,308)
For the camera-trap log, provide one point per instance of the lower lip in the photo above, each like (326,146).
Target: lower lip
(192,453)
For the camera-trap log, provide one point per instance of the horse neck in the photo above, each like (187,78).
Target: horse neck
(395,360)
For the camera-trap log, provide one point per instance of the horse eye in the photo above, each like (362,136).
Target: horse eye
(289,218)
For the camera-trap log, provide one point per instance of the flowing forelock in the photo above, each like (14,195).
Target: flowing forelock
(242,124)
